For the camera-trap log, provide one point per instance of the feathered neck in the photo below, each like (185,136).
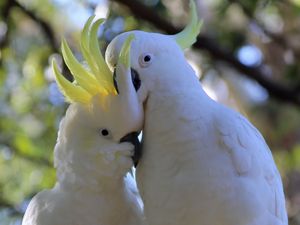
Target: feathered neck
(84,181)
(176,99)
(177,83)
(80,173)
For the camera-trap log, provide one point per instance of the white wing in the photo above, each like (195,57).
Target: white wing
(36,212)
(250,152)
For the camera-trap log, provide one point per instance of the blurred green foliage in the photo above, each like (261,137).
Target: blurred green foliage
(31,106)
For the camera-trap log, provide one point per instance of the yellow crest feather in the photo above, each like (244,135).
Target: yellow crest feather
(83,77)
(104,75)
(124,56)
(91,52)
(72,92)
(85,48)
(188,36)
(97,80)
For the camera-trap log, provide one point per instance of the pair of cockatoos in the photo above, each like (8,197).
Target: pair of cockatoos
(201,163)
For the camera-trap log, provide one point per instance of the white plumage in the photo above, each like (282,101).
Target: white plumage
(202,163)
(94,148)
(92,186)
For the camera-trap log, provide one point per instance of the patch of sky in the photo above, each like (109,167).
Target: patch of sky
(75,11)
(118,25)
(6,152)
(250,55)
(55,96)
(256,93)
(102,9)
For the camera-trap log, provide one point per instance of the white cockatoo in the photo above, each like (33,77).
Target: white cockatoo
(93,154)
(202,163)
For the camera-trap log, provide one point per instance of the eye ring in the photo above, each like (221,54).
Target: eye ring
(145,60)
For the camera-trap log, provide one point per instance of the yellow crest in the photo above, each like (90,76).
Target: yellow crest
(188,36)
(97,79)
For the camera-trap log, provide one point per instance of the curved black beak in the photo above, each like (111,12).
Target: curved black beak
(133,139)
(136,81)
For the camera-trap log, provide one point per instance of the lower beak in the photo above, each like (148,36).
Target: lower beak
(133,139)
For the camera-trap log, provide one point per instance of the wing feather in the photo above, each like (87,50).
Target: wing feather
(249,152)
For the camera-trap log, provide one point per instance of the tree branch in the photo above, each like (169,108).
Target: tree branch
(49,33)
(279,39)
(276,90)
(47,30)
(5,11)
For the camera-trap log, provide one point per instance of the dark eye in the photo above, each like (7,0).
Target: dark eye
(104,132)
(145,60)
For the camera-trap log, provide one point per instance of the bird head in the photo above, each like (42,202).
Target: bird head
(99,131)
(155,57)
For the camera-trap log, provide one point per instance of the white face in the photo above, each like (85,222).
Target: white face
(152,56)
(89,134)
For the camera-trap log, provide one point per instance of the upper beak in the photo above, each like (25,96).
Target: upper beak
(133,139)
(136,81)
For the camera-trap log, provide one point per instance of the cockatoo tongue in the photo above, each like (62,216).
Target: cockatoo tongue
(133,139)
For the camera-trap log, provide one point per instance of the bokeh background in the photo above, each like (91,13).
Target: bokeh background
(247,56)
